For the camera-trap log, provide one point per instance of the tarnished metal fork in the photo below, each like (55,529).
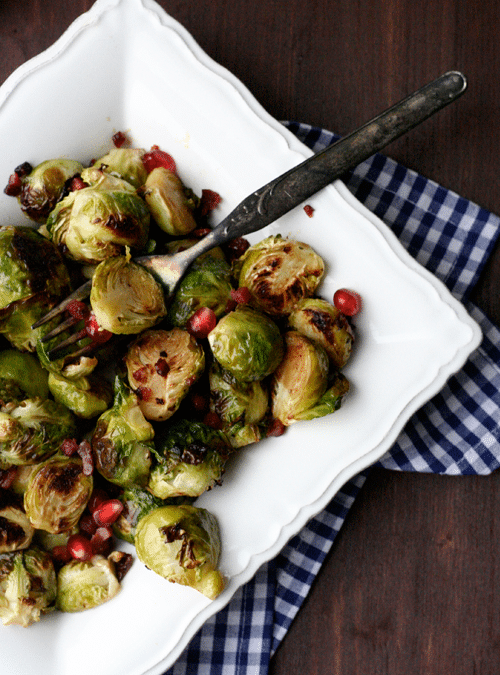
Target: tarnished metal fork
(287,191)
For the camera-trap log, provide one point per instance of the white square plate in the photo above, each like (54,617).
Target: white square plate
(126,65)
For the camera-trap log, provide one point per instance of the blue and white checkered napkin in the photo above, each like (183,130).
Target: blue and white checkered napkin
(456,433)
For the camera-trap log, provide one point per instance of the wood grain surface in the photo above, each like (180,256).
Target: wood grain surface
(412,582)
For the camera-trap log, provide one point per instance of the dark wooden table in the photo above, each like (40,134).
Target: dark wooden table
(412,582)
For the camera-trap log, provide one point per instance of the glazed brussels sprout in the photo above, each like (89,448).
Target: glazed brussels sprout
(247,343)
(21,377)
(206,284)
(57,494)
(240,405)
(44,186)
(125,297)
(122,440)
(16,531)
(33,430)
(34,279)
(84,585)
(93,224)
(137,503)
(28,586)
(170,204)
(182,545)
(322,322)
(278,273)
(86,397)
(162,365)
(125,163)
(300,380)
(330,401)
(192,458)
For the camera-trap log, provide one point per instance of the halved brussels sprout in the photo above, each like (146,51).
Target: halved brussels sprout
(28,586)
(21,377)
(247,343)
(86,397)
(122,440)
(16,531)
(93,224)
(44,186)
(162,365)
(300,380)
(33,430)
(182,545)
(125,296)
(84,585)
(34,279)
(206,284)
(99,179)
(191,459)
(125,163)
(57,494)
(278,273)
(320,321)
(330,401)
(170,204)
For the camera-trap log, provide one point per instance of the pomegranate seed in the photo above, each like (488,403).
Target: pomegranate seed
(276,428)
(78,309)
(230,306)
(77,183)
(7,477)
(346,301)
(80,547)
(61,554)
(23,169)
(98,334)
(14,185)
(85,452)
(87,524)
(209,200)
(200,232)
(107,512)
(201,323)
(144,393)
(198,402)
(119,139)
(101,539)
(236,248)
(97,497)
(69,446)
(156,158)
(213,420)
(309,210)
(162,367)
(241,295)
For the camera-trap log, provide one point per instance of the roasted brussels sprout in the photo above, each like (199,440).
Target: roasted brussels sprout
(33,430)
(247,343)
(84,585)
(93,224)
(86,397)
(320,321)
(240,405)
(192,458)
(170,204)
(21,377)
(125,163)
(161,367)
(125,296)
(34,279)
(99,179)
(278,273)
(16,531)
(330,401)
(206,284)
(182,545)
(28,586)
(137,503)
(44,186)
(57,494)
(122,440)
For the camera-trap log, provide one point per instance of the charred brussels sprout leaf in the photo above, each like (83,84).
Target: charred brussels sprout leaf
(86,397)
(57,494)
(206,284)
(162,365)
(322,322)
(28,586)
(125,297)
(192,458)
(247,343)
(93,224)
(21,377)
(122,441)
(16,531)
(33,430)
(182,545)
(84,585)
(300,380)
(125,163)
(170,204)
(34,279)
(278,273)
(44,186)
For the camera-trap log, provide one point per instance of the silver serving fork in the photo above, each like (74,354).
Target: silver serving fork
(285,192)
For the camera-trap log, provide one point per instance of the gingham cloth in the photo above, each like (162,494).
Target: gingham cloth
(456,433)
